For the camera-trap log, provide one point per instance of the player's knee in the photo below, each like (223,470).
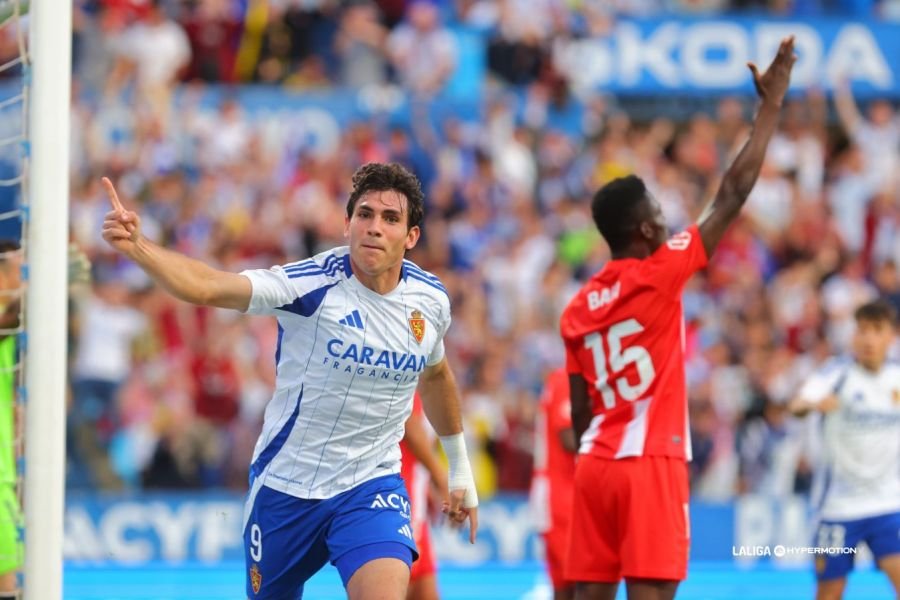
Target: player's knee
(832,589)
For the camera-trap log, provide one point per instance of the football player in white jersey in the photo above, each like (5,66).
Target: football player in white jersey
(860,400)
(359,329)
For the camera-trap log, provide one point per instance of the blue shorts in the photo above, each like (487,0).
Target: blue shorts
(881,534)
(288,539)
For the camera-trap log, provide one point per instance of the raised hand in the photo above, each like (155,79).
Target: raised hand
(121,228)
(773,84)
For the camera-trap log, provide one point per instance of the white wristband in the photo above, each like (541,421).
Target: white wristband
(459,472)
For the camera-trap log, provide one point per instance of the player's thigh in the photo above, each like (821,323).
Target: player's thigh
(656,542)
(284,544)
(423,587)
(890,566)
(379,579)
(564,593)
(10,544)
(649,589)
(596,591)
(883,538)
(371,522)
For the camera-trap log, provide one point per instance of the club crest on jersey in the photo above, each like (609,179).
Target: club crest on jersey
(417,325)
(255,578)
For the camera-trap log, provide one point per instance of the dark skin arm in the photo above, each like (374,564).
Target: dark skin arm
(567,439)
(741,176)
(581,406)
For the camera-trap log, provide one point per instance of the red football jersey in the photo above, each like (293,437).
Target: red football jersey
(415,475)
(624,333)
(554,467)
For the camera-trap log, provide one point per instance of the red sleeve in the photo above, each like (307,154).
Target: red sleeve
(572,365)
(673,263)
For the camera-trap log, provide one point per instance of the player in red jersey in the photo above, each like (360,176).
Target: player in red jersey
(420,470)
(624,355)
(554,472)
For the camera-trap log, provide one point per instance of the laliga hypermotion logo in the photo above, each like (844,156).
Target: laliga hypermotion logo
(255,578)
(417,325)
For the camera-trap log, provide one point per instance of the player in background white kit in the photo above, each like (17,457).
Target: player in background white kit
(359,329)
(860,400)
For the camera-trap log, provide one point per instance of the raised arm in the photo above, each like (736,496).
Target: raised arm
(847,110)
(741,176)
(440,399)
(183,277)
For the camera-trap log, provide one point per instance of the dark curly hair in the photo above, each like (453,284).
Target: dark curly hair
(380,177)
(616,209)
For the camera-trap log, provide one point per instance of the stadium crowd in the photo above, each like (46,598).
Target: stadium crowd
(165,395)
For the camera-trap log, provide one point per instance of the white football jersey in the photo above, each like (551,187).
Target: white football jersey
(861,439)
(348,361)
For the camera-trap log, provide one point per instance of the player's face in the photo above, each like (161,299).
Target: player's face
(871,342)
(378,232)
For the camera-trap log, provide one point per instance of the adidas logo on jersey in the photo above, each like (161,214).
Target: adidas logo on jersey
(352,320)
(406,530)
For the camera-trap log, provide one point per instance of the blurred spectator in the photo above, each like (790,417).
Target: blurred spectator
(422,51)
(214,28)
(360,45)
(108,327)
(877,136)
(157,50)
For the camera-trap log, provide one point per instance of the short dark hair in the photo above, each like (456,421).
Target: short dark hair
(381,177)
(877,311)
(616,209)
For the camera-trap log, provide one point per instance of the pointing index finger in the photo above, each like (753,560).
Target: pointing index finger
(113,196)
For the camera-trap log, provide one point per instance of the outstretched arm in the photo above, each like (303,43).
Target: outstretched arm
(741,176)
(183,277)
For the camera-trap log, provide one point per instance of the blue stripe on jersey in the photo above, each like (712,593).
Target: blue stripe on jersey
(411,266)
(306,274)
(314,269)
(433,284)
(308,304)
(300,264)
(310,264)
(358,320)
(278,347)
(277,443)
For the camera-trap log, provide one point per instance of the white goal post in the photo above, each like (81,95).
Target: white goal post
(47,222)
